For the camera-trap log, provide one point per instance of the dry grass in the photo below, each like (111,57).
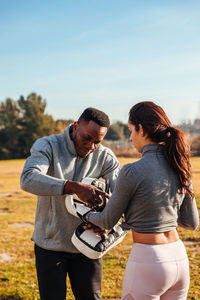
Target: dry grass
(18,277)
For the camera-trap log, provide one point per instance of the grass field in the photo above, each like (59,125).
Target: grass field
(17,274)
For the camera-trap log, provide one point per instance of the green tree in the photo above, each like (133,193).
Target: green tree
(34,122)
(118,131)
(115,132)
(9,128)
(21,123)
(126,131)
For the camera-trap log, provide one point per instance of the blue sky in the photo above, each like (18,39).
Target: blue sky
(109,54)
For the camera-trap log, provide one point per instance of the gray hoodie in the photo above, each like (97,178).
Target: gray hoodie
(52,162)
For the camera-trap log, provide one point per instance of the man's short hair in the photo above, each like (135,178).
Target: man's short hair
(95,115)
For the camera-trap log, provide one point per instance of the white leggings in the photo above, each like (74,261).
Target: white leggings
(157,272)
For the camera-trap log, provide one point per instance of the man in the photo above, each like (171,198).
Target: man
(55,168)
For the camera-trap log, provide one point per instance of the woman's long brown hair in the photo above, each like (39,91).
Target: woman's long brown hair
(159,129)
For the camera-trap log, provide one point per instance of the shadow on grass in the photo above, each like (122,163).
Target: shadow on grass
(14,297)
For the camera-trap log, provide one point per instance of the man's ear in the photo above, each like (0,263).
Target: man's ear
(75,127)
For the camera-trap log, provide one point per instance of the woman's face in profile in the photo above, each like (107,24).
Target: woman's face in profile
(135,137)
(138,138)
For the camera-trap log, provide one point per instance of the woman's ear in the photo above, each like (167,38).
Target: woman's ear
(141,130)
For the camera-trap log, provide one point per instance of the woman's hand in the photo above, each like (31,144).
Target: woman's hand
(98,230)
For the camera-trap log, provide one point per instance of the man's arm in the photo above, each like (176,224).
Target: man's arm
(34,178)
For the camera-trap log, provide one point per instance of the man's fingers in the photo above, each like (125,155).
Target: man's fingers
(91,202)
(103,194)
(98,197)
(94,201)
(95,196)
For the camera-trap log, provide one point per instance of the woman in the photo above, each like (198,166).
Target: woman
(155,194)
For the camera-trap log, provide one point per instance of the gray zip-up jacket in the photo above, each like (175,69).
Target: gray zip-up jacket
(147,192)
(53,161)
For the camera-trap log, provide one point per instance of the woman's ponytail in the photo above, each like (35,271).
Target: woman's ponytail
(177,153)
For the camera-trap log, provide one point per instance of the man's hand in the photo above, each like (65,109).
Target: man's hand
(85,192)
(98,230)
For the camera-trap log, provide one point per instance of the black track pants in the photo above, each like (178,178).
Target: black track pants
(52,268)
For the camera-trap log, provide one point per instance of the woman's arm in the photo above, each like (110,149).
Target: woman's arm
(118,202)
(188,215)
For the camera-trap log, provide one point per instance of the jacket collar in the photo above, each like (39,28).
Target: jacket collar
(69,142)
(152,148)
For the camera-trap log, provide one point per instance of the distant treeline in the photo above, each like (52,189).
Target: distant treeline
(23,121)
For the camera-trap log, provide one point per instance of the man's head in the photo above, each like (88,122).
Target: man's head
(89,131)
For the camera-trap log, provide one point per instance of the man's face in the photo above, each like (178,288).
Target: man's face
(87,137)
